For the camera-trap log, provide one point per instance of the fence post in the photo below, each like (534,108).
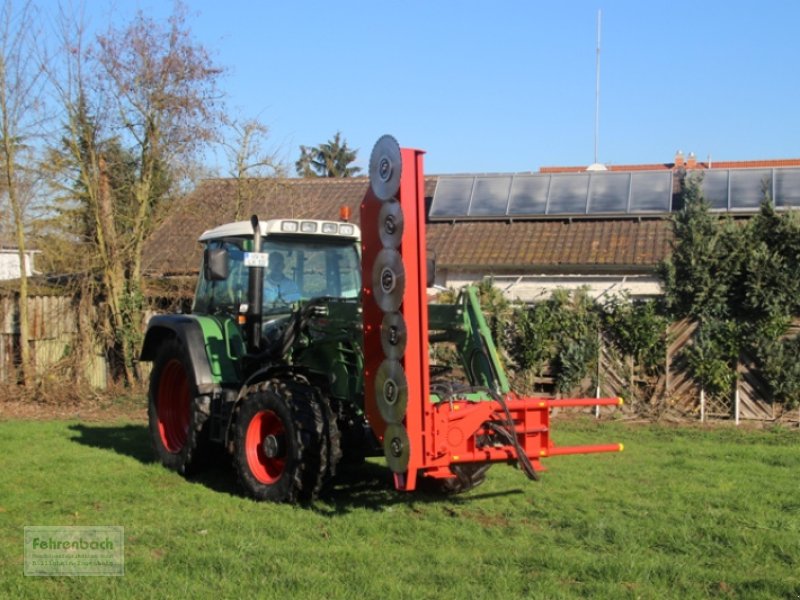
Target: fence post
(736,405)
(597,406)
(599,370)
(702,405)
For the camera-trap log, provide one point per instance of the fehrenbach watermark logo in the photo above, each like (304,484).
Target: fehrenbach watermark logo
(75,550)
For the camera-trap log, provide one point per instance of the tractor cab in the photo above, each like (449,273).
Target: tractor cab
(296,261)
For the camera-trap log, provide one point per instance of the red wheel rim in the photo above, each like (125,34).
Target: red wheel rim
(264,468)
(172,406)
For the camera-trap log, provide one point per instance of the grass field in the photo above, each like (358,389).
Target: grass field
(682,513)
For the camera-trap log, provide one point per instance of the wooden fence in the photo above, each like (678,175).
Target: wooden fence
(676,391)
(55,327)
(54,330)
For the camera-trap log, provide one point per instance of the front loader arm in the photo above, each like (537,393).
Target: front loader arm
(478,352)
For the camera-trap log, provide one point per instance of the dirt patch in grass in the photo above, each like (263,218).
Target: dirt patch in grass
(96,409)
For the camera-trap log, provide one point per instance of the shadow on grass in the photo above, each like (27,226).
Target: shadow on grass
(129,440)
(367,486)
(134,441)
(370,487)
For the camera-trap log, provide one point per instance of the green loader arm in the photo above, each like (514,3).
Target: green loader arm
(478,352)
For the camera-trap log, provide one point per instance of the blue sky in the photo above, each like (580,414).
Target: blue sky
(508,86)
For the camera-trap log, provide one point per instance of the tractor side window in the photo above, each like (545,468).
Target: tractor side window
(202,294)
(230,293)
(226,295)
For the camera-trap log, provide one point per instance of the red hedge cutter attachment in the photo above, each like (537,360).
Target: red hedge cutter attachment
(430,425)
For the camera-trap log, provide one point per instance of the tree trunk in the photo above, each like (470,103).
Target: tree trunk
(113,276)
(25,375)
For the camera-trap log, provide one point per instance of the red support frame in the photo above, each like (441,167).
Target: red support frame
(448,432)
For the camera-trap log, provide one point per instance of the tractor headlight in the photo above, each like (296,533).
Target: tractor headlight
(329,228)
(347,229)
(308,227)
(289,226)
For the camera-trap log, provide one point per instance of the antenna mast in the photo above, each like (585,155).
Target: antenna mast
(597,90)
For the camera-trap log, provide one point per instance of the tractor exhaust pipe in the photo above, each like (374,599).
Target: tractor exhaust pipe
(255,292)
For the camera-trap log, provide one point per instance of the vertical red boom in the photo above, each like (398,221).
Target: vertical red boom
(421,437)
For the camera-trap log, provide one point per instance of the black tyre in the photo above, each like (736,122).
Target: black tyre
(281,450)
(176,413)
(356,438)
(467,477)
(331,451)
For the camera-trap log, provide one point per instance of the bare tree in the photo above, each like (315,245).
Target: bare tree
(139,104)
(165,87)
(248,159)
(87,215)
(20,110)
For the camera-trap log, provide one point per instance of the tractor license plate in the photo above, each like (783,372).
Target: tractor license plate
(256,259)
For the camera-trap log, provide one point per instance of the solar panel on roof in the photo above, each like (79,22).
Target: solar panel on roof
(787,187)
(747,187)
(715,188)
(490,196)
(651,191)
(528,195)
(542,194)
(604,193)
(451,198)
(568,194)
(609,192)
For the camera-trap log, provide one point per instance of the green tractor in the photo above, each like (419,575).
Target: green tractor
(268,363)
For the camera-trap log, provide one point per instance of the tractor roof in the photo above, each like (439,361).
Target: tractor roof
(303,227)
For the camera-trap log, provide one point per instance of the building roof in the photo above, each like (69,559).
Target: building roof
(687,163)
(498,247)
(604,245)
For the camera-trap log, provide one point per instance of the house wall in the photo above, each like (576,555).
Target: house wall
(9,265)
(530,288)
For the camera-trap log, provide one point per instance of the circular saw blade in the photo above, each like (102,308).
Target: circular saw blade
(391,391)
(385,168)
(388,280)
(396,447)
(393,335)
(390,224)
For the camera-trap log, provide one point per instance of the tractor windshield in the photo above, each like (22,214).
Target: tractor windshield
(298,271)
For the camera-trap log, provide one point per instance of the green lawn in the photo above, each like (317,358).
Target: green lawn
(682,513)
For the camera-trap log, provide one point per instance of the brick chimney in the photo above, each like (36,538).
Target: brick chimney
(691,163)
(678,159)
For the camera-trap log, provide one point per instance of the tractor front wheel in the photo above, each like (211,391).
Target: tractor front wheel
(176,413)
(279,442)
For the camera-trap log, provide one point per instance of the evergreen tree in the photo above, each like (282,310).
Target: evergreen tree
(700,270)
(741,282)
(331,159)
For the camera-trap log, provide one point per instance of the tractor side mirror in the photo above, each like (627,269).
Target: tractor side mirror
(431,264)
(215,264)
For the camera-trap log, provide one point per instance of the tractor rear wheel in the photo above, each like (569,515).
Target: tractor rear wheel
(176,413)
(283,447)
